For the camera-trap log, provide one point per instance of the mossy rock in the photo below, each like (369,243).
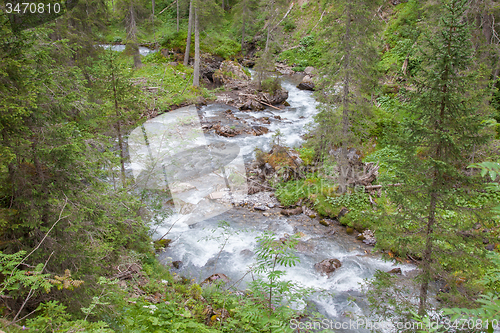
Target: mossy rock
(161,244)
(324,222)
(324,208)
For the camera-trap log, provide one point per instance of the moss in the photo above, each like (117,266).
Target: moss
(161,244)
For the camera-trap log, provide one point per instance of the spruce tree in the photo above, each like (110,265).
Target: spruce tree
(118,97)
(349,78)
(445,114)
(205,12)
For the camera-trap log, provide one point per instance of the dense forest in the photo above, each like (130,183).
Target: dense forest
(401,157)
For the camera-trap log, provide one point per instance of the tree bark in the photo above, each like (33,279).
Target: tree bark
(119,131)
(177,15)
(426,258)
(344,163)
(196,73)
(188,40)
(269,28)
(133,37)
(243,32)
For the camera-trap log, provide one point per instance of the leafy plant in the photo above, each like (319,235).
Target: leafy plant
(272,296)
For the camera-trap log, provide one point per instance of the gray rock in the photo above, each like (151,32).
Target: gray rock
(327,266)
(309,70)
(396,270)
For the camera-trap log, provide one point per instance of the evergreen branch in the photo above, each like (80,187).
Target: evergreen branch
(43,239)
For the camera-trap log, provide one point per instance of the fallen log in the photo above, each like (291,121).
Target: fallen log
(376,187)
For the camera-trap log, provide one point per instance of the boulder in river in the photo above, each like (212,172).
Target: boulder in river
(177,264)
(292,211)
(225,131)
(396,270)
(327,266)
(230,71)
(307,83)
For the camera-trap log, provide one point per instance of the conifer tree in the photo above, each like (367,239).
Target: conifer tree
(244,13)
(350,77)
(444,122)
(118,97)
(205,12)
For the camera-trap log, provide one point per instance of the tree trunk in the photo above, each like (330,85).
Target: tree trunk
(426,258)
(243,33)
(223,5)
(267,38)
(188,40)
(119,131)
(269,28)
(344,163)
(196,73)
(177,15)
(153,20)
(132,35)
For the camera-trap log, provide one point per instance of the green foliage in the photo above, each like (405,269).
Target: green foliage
(154,57)
(269,308)
(225,47)
(271,85)
(307,41)
(401,35)
(52,317)
(16,280)
(174,40)
(358,200)
(288,25)
(308,53)
(492,169)
(307,155)
(291,192)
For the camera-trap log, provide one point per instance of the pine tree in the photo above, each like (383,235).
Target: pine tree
(350,77)
(443,125)
(133,12)
(205,12)
(244,14)
(118,97)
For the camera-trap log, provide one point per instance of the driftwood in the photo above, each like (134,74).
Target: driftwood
(269,105)
(368,176)
(376,187)
(128,273)
(164,9)
(284,17)
(259,100)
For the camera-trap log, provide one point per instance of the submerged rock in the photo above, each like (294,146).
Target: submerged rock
(327,266)
(307,83)
(177,264)
(396,270)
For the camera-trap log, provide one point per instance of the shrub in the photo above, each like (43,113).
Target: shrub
(288,25)
(271,85)
(155,57)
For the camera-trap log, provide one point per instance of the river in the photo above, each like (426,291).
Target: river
(198,243)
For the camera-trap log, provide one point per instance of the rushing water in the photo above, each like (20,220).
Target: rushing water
(200,248)
(120,48)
